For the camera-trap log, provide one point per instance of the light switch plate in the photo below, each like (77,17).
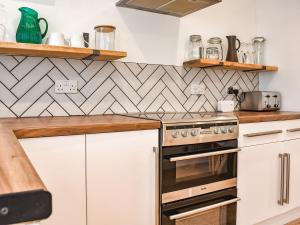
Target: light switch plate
(198,89)
(66,86)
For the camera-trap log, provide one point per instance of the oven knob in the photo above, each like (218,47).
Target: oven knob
(194,133)
(224,130)
(216,130)
(175,134)
(184,133)
(231,129)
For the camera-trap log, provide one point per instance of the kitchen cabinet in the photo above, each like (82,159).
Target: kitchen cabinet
(258,183)
(259,170)
(60,161)
(121,178)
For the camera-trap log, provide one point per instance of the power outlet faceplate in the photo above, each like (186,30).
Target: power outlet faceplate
(66,86)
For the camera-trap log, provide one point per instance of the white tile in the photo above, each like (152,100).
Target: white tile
(39,106)
(147,72)
(5,112)
(26,66)
(31,96)
(97,80)
(174,88)
(156,104)
(173,101)
(151,81)
(68,71)
(7,78)
(125,87)
(117,108)
(6,96)
(32,78)
(150,97)
(176,77)
(56,110)
(124,100)
(97,96)
(8,61)
(191,75)
(134,67)
(198,104)
(93,68)
(78,65)
(104,105)
(128,75)
(212,87)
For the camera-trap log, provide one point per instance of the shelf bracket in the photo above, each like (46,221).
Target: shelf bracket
(96,53)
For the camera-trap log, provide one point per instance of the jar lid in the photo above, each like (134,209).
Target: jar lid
(215,40)
(105,28)
(195,38)
(258,39)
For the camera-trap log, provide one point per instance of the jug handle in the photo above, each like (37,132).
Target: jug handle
(46,29)
(238,40)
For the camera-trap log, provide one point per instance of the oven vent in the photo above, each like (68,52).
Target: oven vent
(177,8)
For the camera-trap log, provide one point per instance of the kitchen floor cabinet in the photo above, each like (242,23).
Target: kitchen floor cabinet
(259,171)
(258,183)
(121,178)
(60,161)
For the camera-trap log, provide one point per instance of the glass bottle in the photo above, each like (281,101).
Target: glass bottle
(258,45)
(215,48)
(105,37)
(196,49)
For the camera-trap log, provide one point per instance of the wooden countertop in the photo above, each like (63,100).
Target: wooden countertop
(17,175)
(255,117)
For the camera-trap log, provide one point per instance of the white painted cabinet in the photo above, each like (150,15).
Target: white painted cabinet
(60,161)
(258,183)
(259,170)
(121,178)
(292,147)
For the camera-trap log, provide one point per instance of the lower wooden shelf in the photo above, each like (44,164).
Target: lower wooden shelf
(216,64)
(42,50)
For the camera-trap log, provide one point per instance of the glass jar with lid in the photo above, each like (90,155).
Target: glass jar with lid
(105,37)
(215,48)
(258,45)
(196,49)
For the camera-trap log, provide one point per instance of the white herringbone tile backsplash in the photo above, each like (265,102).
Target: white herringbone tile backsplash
(27,87)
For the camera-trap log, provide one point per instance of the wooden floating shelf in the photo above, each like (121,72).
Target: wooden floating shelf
(42,50)
(216,64)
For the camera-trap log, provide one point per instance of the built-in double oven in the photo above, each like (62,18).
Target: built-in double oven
(198,183)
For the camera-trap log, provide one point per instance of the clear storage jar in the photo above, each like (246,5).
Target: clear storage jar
(196,49)
(105,37)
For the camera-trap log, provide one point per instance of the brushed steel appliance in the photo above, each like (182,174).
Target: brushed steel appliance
(261,101)
(198,168)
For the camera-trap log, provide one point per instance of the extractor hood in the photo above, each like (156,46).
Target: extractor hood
(177,8)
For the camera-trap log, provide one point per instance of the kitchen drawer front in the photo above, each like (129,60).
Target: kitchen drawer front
(261,133)
(291,129)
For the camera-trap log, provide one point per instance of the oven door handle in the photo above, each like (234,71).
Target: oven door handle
(203,209)
(202,155)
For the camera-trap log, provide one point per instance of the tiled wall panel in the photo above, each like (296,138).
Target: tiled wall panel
(27,87)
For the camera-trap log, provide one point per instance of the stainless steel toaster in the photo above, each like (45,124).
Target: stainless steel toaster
(261,101)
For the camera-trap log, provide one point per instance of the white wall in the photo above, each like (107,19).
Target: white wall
(278,21)
(148,37)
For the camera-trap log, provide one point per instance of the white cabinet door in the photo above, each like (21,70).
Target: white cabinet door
(121,178)
(292,147)
(60,161)
(258,183)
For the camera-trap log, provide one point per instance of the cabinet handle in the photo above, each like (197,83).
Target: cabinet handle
(200,210)
(263,133)
(157,199)
(288,175)
(293,130)
(203,155)
(282,170)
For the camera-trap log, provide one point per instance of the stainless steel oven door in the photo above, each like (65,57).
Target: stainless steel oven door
(215,211)
(187,174)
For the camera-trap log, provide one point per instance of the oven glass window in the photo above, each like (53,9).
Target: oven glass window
(195,169)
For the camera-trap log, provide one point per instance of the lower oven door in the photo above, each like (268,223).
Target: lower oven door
(192,170)
(212,209)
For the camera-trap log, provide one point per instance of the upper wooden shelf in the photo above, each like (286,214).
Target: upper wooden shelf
(42,50)
(216,64)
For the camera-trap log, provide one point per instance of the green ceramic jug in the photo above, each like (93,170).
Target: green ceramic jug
(29,29)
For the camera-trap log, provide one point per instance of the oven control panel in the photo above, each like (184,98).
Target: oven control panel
(193,133)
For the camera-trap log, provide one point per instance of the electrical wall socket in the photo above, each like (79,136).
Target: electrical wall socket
(66,86)
(198,89)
